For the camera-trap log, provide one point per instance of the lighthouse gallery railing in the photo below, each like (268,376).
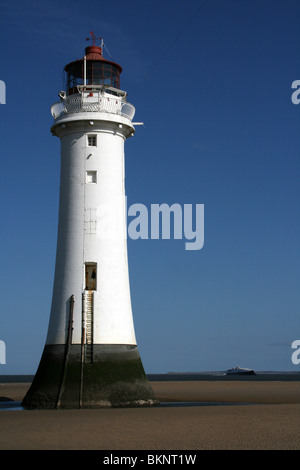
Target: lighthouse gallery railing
(103,104)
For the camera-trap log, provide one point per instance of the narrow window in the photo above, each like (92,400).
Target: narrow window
(91,176)
(92,140)
(90,276)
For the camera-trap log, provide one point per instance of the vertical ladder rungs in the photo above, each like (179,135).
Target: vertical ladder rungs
(89,310)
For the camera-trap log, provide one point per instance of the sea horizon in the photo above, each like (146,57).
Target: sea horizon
(183,376)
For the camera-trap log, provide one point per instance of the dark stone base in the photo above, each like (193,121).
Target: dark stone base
(114,379)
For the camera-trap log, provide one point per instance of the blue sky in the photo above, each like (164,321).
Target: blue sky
(211,80)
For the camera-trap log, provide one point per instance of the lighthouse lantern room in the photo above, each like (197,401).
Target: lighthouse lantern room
(93,69)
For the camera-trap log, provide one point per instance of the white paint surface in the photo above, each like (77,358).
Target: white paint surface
(92,228)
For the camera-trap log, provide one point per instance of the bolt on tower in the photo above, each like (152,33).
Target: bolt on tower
(91,359)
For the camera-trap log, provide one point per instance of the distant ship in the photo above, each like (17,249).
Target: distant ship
(240,371)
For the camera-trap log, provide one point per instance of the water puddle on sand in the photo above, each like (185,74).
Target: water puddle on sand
(17,405)
(200,403)
(11,405)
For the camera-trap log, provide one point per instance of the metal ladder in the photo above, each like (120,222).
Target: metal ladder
(89,311)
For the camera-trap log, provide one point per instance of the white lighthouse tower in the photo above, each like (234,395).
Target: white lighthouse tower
(91,358)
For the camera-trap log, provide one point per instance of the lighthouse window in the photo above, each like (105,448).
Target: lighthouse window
(98,72)
(90,276)
(92,140)
(91,177)
(103,73)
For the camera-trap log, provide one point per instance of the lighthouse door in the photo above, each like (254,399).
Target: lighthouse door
(90,276)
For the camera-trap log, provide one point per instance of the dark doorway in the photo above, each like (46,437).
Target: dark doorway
(90,276)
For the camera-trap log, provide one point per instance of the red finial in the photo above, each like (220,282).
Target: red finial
(94,38)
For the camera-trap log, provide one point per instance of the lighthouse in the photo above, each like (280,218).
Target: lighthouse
(91,358)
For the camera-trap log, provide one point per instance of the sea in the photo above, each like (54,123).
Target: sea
(185,376)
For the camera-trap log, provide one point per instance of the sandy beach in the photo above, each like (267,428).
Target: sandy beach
(212,415)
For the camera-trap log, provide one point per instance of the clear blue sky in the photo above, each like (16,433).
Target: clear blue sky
(211,80)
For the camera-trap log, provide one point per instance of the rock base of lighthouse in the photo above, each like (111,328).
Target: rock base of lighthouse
(114,378)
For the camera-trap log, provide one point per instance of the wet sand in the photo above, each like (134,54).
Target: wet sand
(212,415)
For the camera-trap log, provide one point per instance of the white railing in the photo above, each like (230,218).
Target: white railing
(104,104)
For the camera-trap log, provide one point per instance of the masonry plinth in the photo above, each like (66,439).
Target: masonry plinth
(91,358)
(115,379)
